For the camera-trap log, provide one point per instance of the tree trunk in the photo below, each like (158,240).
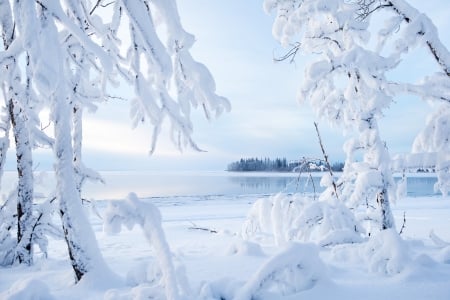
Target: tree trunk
(81,242)
(387,220)
(24,250)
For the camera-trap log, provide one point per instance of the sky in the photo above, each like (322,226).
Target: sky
(234,40)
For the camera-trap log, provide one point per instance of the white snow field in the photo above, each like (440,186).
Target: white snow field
(209,257)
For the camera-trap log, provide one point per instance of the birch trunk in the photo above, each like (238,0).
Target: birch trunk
(81,242)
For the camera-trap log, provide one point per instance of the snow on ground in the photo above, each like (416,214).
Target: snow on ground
(212,261)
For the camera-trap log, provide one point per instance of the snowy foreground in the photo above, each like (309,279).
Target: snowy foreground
(212,261)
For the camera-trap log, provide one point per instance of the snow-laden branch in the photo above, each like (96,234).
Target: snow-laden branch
(134,211)
(167,81)
(421,25)
(420,29)
(58,13)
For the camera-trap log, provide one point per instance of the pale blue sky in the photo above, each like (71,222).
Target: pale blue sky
(234,40)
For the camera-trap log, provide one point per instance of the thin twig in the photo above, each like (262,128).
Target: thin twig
(195,227)
(325,156)
(99,3)
(404,222)
(314,186)
(290,54)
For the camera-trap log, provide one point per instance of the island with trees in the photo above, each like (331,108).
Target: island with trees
(254,164)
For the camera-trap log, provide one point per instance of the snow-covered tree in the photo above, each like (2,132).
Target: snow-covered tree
(73,51)
(21,110)
(347,82)
(342,86)
(36,28)
(405,29)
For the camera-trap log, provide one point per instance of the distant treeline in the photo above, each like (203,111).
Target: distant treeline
(280,165)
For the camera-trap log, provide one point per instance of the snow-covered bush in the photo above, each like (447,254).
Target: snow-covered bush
(42,226)
(8,222)
(385,252)
(296,268)
(300,218)
(133,211)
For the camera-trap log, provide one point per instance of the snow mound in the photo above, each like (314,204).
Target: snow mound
(245,248)
(223,288)
(295,269)
(386,253)
(444,255)
(147,281)
(139,292)
(28,289)
(144,273)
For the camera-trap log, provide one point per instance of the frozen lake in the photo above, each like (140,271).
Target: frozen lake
(163,184)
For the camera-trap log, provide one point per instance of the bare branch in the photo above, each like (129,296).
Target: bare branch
(195,227)
(290,54)
(366,8)
(99,3)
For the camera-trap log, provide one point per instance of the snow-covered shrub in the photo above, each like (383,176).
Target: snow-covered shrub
(296,268)
(134,211)
(300,218)
(325,224)
(42,225)
(386,253)
(8,222)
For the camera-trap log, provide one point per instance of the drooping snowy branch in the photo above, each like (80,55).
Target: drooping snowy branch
(134,211)
(420,29)
(167,81)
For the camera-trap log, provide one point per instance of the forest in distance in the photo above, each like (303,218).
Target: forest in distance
(254,164)
(282,165)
